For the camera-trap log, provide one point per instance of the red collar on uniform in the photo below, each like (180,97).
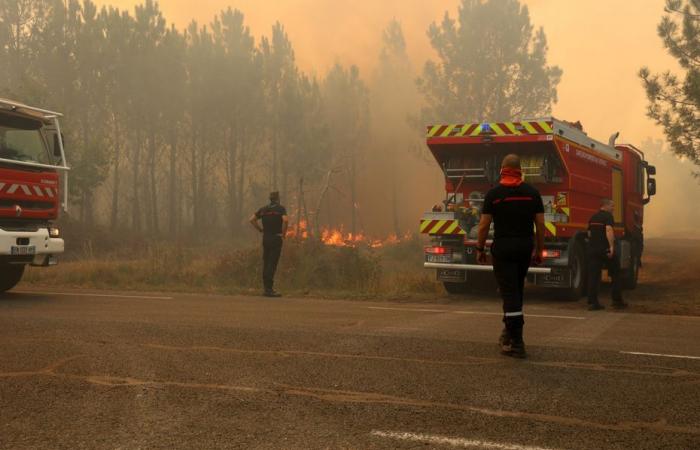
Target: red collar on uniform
(511,177)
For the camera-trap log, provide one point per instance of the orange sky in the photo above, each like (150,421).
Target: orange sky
(600,44)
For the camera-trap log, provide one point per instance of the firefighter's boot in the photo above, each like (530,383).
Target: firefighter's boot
(619,304)
(272,293)
(504,338)
(516,347)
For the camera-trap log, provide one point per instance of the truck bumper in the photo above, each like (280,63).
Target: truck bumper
(30,247)
(478,267)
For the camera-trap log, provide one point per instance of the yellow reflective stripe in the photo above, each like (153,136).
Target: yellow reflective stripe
(424,224)
(437,227)
(566,211)
(530,129)
(452,228)
(551,227)
(545,126)
(464,129)
(512,129)
(434,130)
(497,129)
(448,130)
(477,131)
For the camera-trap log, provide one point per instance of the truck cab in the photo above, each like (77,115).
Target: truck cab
(33,177)
(573,174)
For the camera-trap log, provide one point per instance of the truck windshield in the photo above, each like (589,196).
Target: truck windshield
(21,140)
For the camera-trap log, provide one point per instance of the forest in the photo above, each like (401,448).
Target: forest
(184,131)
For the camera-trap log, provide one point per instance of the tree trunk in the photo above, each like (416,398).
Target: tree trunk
(241,184)
(172,185)
(136,202)
(353,195)
(300,198)
(195,184)
(153,188)
(114,216)
(231,179)
(395,201)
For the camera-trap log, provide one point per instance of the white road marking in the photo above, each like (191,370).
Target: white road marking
(661,354)
(453,442)
(95,295)
(483,313)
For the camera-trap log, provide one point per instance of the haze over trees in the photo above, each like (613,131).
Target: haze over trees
(180,132)
(674,102)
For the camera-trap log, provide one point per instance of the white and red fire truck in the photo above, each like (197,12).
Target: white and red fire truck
(32,190)
(572,172)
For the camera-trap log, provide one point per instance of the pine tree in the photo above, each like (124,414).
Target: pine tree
(674,102)
(491,66)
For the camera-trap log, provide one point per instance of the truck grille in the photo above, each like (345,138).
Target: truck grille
(27,204)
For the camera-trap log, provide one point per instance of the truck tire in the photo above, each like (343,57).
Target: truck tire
(10,274)
(455,288)
(631,275)
(577,264)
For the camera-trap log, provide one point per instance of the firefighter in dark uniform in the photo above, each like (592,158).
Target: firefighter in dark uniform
(515,209)
(601,254)
(274,228)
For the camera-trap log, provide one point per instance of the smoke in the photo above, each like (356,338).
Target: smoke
(599,44)
(673,211)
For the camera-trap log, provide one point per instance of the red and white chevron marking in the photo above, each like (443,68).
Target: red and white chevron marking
(28,190)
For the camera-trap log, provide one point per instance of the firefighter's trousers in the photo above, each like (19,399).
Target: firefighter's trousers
(272,249)
(596,262)
(511,261)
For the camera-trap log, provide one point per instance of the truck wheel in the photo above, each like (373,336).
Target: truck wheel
(455,288)
(577,264)
(631,275)
(10,274)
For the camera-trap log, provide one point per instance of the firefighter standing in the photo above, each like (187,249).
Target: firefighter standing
(274,228)
(514,207)
(601,253)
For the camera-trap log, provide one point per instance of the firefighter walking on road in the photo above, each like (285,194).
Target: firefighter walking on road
(274,228)
(601,254)
(515,209)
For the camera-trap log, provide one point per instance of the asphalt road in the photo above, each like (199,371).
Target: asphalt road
(100,370)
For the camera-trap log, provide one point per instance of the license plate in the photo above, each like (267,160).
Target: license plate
(23,250)
(438,258)
(557,279)
(451,275)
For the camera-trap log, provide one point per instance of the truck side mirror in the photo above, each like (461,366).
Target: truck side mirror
(57,145)
(651,170)
(651,187)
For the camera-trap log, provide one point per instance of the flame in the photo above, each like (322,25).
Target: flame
(337,237)
(301,231)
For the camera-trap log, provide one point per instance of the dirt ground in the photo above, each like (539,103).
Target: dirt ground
(670,279)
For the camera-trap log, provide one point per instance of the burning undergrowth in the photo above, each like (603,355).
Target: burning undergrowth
(335,262)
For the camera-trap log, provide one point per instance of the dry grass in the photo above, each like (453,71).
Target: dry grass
(306,268)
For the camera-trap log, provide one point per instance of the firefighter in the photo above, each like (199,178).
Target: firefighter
(274,228)
(514,207)
(601,253)
(472,213)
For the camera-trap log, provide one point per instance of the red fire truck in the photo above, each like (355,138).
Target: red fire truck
(31,159)
(572,172)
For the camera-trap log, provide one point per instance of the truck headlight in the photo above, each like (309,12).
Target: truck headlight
(54,232)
